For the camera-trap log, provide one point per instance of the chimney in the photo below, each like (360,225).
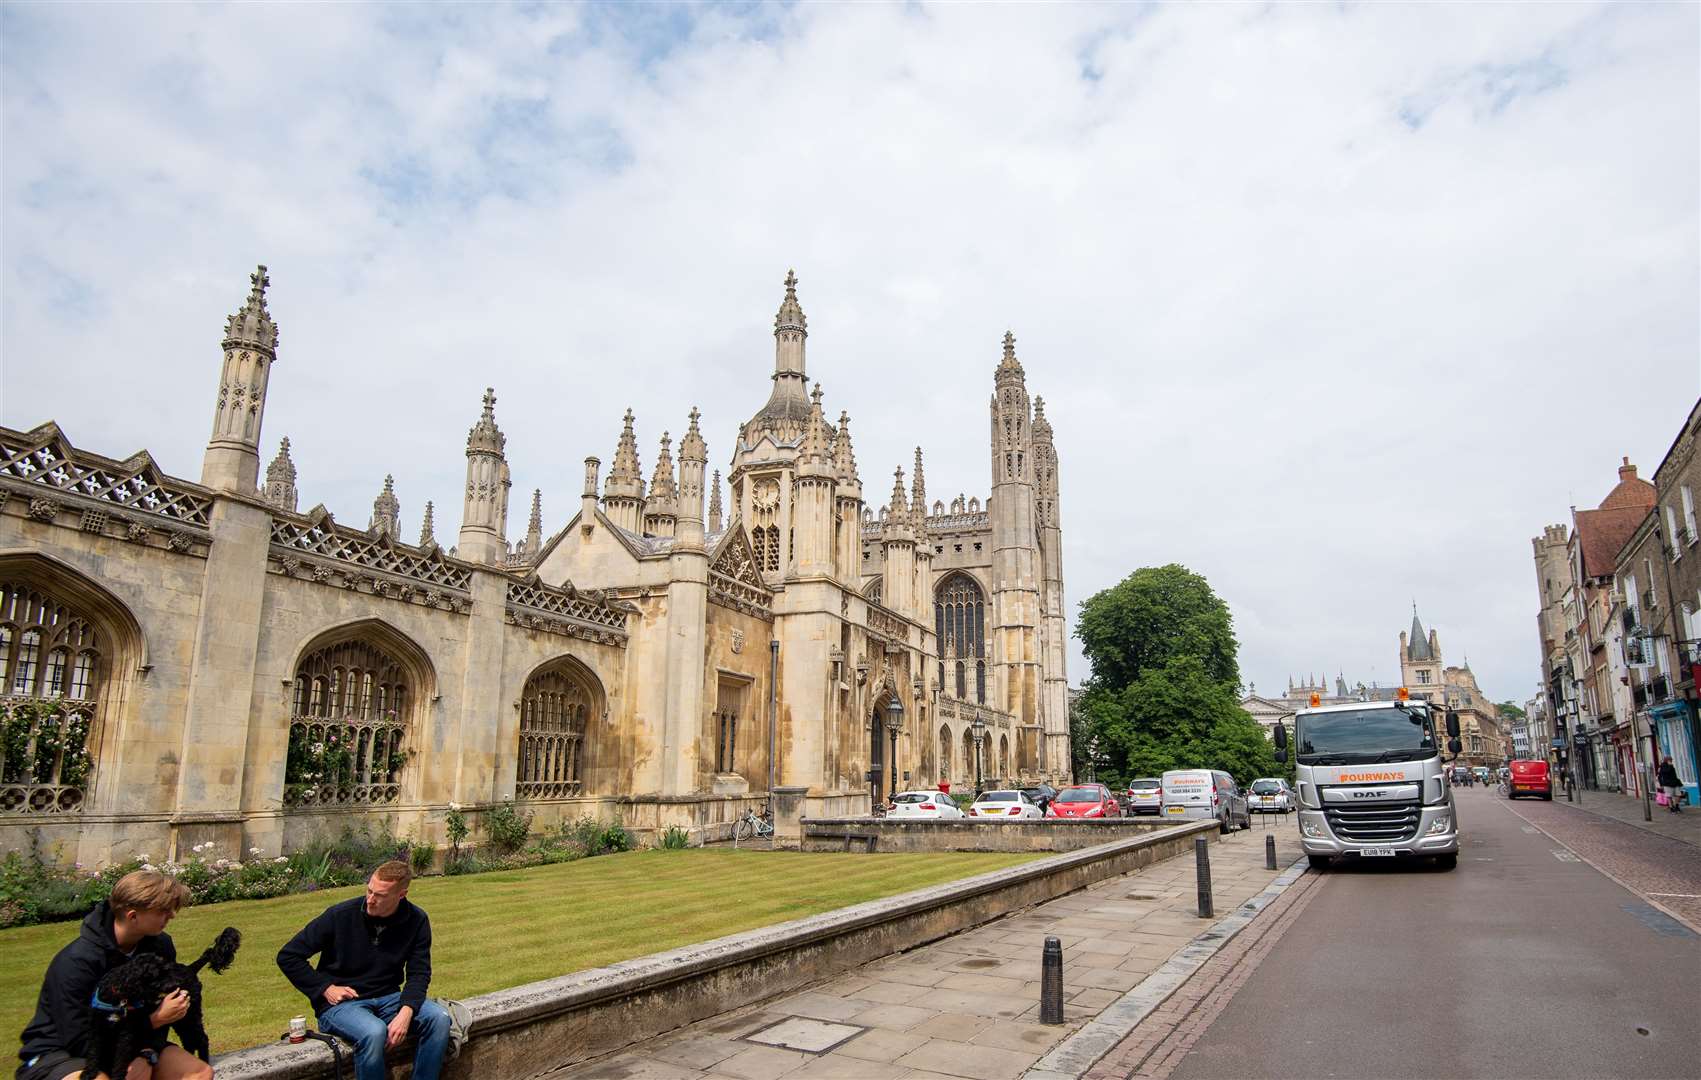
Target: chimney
(588,497)
(1626,471)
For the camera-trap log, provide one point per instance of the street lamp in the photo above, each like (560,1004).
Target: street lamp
(894,724)
(978,727)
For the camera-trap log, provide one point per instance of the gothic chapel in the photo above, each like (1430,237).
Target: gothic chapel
(183,661)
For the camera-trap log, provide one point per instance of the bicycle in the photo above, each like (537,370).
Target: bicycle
(1503,789)
(751,826)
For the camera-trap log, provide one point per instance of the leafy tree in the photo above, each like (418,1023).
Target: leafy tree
(1510,711)
(1154,614)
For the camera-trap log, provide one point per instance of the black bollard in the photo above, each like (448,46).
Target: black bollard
(1270,852)
(1202,861)
(1051,982)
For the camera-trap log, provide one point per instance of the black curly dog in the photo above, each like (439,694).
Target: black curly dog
(127,996)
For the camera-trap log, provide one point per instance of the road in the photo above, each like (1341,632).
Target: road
(1523,962)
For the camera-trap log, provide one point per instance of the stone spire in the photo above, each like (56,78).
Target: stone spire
(815,455)
(387,511)
(898,507)
(623,494)
(1010,368)
(534,527)
(693,459)
(232,460)
(918,494)
(787,409)
(280,479)
(715,503)
(1042,426)
(844,455)
(427,528)
(661,509)
(484,513)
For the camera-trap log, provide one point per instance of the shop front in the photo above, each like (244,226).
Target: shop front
(1675,730)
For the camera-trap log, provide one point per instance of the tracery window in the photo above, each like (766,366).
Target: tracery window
(1004,757)
(959,613)
(944,752)
(348,727)
(555,711)
(729,704)
(50,670)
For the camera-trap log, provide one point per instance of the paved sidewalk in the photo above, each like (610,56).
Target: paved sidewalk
(1685,826)
(966,1006)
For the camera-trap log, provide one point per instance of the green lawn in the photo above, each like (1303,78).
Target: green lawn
(497,930)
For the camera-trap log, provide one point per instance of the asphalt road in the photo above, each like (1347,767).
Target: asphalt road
(1520,963)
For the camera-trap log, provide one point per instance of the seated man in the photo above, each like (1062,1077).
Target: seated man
(132,921)
(364,946)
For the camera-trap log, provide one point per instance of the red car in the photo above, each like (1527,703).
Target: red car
(1529,778)
(1084,801)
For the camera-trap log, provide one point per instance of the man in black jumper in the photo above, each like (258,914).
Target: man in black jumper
(364,945)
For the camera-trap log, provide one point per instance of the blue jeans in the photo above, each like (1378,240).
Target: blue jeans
(364,1022)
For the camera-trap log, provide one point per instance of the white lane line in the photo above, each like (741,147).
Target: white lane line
(1678,895)
(1565,856)
(1531,829)
(1616,880)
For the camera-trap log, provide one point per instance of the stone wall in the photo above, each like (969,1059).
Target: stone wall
(916,834)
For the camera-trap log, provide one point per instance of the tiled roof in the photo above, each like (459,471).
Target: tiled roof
(1601,533)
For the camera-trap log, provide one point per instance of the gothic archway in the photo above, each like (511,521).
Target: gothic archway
(556,709)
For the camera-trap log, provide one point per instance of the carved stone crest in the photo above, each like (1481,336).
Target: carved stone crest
(43,508)
(737,640)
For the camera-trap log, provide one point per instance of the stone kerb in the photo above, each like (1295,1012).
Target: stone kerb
(974,834)
(533,1029)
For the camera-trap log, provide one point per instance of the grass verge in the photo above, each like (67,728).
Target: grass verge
(505,928)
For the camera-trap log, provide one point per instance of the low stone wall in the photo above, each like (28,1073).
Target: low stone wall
(534,1029)
(972,834)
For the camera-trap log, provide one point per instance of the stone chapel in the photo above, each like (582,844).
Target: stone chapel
(183,661)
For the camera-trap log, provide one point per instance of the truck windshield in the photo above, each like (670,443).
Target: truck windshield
(1362,736)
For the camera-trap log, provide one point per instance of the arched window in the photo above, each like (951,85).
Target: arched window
(969,757)
(944,753)
(340,752)
(875,588)
(555,711)
(959,617)
(50,671)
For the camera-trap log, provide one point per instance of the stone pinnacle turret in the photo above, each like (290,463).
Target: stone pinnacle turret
(280,479)
(387,511)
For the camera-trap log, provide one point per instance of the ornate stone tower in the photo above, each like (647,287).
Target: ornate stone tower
(661,509)
(693,460)
(812,498)
(484,513)
(387,511)
(280,479)
(897,591)
(765,461)
(623,494)
(1015,569)
(1420,660)
(232,461)
(1054,694)
(923,590)
(847,549)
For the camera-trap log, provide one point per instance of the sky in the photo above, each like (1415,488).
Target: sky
(1335,305)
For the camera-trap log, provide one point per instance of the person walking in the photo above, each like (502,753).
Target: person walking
(1672,784)
(129,923)
(367,946)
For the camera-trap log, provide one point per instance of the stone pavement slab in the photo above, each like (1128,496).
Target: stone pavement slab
(968,1006)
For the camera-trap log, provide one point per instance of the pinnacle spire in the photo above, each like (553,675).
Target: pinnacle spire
(844,455)
(485,436)
(918,491)
(1041,426)
(790,316)
(692,447)
(426,535)
(815,450)
(715,503)
(661,483)
(535,526)
(280,479)
(898,506)
(626,466)
(387,510)
(252,326)
(1009,367)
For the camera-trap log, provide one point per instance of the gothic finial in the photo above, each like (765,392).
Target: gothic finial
(280,479)
(692,447)
(898,505)
(426,536)
(485,436)
(252,326)
(1041,426)
(536,524)
(387,510)
(844,455)
(626,466)
(715,503)
(661,484)
(918,496)
(815,450)
(790,315)
(1009,367)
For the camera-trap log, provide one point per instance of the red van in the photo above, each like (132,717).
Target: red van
(1529,778)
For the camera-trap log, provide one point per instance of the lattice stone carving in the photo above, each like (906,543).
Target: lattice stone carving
(328,540)
(44,457)
(734,581)
(590,616)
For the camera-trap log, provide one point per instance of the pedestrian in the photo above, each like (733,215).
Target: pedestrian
(367,946)
(1672,784)
(944,785)
(127,924)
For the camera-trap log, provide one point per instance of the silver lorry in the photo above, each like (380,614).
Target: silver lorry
(1372,782)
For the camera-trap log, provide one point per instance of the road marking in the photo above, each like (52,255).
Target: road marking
(1678,895)
(1565,856)
(1615,879)
(1531,829)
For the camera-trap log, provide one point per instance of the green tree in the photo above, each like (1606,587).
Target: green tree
(1154,614)
(1510,711)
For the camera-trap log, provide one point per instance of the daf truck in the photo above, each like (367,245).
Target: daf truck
(1372,782)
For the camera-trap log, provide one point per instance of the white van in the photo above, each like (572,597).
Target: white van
(1204,794)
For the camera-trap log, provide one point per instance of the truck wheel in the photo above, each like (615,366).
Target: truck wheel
(1448,861)
(1223,825)
(1320,863)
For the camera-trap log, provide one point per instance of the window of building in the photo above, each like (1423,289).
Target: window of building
(346,750)
(1423,676)
(959,611)
(1688,498)
(729,705)
(50,666)
(1672,534)
(555,711)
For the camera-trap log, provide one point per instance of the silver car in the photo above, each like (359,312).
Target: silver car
(1271,795)
(1204,794)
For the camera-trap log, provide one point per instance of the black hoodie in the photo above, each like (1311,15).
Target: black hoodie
(371,956)
(62,1011)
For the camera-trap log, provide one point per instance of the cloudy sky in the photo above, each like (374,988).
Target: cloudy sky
(1335,305)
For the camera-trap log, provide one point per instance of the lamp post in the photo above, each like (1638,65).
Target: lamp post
(978,727)
(894,724)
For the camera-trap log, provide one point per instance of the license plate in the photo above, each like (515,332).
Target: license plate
(1176,809)
(1266,799)
(1370,852)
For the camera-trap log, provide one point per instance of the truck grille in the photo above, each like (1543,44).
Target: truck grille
(1380,823)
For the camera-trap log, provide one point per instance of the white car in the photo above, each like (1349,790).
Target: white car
(1145,796)
(1005,804)
(932,805)
(1271,794)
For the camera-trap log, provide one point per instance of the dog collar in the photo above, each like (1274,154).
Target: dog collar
(97,1003)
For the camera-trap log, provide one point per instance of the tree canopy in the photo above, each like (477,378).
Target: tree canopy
(1164,692)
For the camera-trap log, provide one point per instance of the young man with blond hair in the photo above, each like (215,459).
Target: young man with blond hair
(132,921)
(366,947)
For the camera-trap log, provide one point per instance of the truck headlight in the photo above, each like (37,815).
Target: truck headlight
(1441,824)
(1314,831)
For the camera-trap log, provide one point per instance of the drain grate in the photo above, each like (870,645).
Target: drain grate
(802,1033)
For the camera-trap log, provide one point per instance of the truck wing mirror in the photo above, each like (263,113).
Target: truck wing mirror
(1281,735)
(1452,725)
(1454,746)
(1281,757)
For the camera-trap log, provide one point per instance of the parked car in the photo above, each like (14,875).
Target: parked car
(1529,778)
(1146,796)
(1006,803)
(1271,794)
(1203,795)
(935,805)
(1084,801)
(1040,795)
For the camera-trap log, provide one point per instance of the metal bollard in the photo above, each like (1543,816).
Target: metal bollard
(1202,862)
(1270,852)
(1051,982)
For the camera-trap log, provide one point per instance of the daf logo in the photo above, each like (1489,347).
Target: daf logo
(1371,793)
